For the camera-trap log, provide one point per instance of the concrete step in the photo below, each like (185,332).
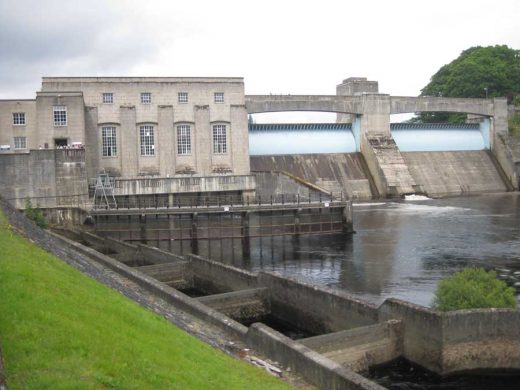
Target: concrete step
(243,305)
(165,272)
(359,348)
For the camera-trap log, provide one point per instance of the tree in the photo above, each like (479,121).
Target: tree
(473,288)
(478,72)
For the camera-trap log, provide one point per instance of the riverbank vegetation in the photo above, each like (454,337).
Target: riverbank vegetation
(478,72)
(473,288)
(60,329)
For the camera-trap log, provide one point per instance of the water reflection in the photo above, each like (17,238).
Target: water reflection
(400,249)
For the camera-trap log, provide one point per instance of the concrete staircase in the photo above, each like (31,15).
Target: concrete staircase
(359,348)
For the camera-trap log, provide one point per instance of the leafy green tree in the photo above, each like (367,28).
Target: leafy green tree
(473,288)
(478,72)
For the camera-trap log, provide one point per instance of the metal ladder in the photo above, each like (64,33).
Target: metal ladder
(104,192)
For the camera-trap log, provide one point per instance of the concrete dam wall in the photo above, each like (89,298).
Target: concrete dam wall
(437,174)
(336,172)
(454,173)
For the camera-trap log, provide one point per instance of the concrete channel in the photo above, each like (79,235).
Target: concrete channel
(324,335)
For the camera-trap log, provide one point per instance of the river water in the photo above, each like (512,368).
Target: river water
(400,249)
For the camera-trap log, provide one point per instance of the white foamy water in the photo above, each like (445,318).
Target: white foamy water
(416,197)
(368,204)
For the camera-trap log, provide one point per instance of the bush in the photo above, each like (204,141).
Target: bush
(35,214)
(514,125)
(473,288)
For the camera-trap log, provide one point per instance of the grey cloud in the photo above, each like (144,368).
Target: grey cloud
(54,38)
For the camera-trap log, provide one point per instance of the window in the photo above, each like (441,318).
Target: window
(219,97)
(147,142)
(219,139)
(19,118)
(60,115)
(146,97)
(20,143)
(183,139)
(183,97)
(108,97)
(108,136)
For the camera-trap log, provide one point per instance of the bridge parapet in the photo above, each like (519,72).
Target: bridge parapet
(325,103)
(406,104)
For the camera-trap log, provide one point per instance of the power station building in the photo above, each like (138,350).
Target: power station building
(138,128)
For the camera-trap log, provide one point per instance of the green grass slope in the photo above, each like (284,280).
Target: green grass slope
(62,330)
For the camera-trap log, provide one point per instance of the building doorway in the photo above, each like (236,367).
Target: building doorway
(60,143)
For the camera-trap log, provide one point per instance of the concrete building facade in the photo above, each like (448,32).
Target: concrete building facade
(134,127)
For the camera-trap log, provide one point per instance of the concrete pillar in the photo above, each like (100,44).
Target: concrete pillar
(194,234)
(376,114)
(354,86)
(500,116)
(246,247)
(166,141)
(204,140)
(129,142)
(92,148)
(297,221)
(142,228)
(346,218)
(238,148)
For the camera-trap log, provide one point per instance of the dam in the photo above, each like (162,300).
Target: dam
(442,159)
(221,243)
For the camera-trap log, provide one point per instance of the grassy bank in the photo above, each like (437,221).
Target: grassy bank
(62,330)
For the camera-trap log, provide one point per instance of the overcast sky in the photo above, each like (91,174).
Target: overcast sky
(282,46)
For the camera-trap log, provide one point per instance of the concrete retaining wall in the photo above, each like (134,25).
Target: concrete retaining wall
(188,184)
(422,338)
(313,366)
(473,339)
(217,277)
(48,177)
(315,309)
(507,152)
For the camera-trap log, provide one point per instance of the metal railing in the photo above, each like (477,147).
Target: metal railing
(164,201)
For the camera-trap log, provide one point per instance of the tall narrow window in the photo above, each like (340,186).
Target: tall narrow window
(60,115)
(183,97)
(183,139)
(147,141)
(146,97)
(108,136)
(20,143)
(219,139)
(219,97)
(19,118)
(108,97)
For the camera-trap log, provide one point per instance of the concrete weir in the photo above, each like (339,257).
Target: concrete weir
(454,173)
(340,336)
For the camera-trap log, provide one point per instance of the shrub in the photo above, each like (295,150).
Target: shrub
(473,288)
(35,214)
(514,125)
